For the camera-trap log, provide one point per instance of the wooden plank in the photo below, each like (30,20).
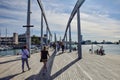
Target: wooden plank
(64,66)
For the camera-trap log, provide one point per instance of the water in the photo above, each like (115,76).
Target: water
(15,52)
(9,52)
(109,49)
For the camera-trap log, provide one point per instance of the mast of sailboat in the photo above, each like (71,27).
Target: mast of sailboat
(6,35)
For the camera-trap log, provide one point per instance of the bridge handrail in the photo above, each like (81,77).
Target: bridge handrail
(77,6)
(43,12)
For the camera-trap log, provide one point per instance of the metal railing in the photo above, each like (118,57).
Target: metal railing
(75,11)
(43,17)
(43,13)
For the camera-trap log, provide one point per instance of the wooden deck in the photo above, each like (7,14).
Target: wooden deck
(64,66)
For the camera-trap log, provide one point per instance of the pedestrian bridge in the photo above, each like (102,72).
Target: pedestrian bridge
(48,32)
(70,65)
(62,66)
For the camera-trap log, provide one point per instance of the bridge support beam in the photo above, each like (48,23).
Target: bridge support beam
(46,36)
(79,35)
(28,37)
(66,42)
(55,42)
(41,42)
(70,47)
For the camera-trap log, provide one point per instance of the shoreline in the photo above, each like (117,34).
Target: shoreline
(108,54)
(85,48)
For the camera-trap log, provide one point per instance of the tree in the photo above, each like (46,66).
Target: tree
(35,40)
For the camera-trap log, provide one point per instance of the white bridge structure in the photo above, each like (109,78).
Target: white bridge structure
(48,32)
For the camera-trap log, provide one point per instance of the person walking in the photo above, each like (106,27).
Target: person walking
(62,47)
(25,54)
(44,57)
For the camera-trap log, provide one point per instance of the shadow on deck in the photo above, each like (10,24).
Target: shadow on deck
(10,61)
(46,75)
(10,77)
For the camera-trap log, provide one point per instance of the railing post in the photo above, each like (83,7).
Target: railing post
(70,47)
(60,38)
(55,43)
(79,35)
(46,36)
(92,47)
(49,39)
(66,41)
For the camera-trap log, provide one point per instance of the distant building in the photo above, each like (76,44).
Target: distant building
(6,40)
(9,40)
(22,38)
(18,39)
(15,38)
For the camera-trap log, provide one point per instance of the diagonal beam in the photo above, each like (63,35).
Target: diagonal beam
(77,6)
(43,13)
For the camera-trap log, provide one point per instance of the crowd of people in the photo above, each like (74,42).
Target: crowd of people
(58,46)
(100,51)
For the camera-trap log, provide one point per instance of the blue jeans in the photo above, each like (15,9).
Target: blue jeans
(23,61)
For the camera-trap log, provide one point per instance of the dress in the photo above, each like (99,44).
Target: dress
(44,56)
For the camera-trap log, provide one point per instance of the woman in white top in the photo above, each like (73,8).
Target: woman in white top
(24,57)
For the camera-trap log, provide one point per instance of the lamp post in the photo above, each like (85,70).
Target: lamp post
(28,37)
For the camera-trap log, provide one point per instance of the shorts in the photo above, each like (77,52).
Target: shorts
(44,60)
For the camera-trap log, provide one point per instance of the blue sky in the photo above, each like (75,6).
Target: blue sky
(100,19)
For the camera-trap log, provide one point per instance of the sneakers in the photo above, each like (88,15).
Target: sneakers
(29,69)
(23,71)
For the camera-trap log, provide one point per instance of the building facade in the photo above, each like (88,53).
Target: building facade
(18,39)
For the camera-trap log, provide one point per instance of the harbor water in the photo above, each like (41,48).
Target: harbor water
(15,52)
(108,48)
(9,52)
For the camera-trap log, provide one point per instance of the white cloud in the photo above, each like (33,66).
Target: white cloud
(95,24)
(98,24)
(103,27)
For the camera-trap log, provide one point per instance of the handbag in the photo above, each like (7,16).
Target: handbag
(40,60)
(28,56)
